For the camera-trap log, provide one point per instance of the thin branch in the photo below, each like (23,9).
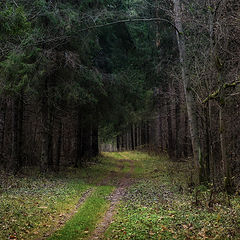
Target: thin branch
(15,3)
(131,21)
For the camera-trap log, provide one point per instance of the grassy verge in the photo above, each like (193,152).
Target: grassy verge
(160,206)
(84,221)
(29,211)
(31,206)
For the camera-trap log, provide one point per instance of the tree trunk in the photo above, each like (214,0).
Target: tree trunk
(177,122)
(170,135)
(132,137)
(187,90)
(95,148)
(185,145)
(225,163)
(20,129)
(59,146)
(143,134)
(86,139)
(139,135)
(160,130)
(135,137)
(122,142)
(17,132)
(118,143)
(79,143)
(50,138)
(45,127)
(208,142)
(147,133)
(3,109)
(14,154)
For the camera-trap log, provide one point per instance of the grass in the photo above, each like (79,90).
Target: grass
(161,206)
(84,221)
(33,205)
(28,211)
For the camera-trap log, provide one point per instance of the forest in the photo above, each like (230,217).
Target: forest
(119,119)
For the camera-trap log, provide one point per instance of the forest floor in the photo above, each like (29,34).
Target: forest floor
(126,195)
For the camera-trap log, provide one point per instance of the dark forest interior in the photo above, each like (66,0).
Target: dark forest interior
(84,81)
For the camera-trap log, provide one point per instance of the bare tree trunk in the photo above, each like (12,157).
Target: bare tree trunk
(20,130)
(136,136)
(118,143)
(170,135)
(177,122)
(17,132)
(160,131)
(208,142)
(225,163)
(95,147)
(127,140)
(143,134)
(132,137)
(59,146)
(50,138)
(79,152)
(14,154)
(45,127)
(122,142)
(185,147)
(187,90)
(147,133)
(139,135)
(3,109)
(86,138)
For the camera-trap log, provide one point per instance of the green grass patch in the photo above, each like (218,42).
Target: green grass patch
(160,206)
(36,207)
(32,205)
(84,221)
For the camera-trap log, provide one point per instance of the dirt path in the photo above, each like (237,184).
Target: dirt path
(65,218)
(124,182)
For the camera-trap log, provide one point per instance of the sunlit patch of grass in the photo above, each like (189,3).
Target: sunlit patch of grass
(84,221)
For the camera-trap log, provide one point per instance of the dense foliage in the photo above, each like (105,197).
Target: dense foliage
(78,73)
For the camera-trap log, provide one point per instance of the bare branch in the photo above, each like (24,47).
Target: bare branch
(131,21)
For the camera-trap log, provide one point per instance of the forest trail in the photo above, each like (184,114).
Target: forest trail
(123,183)
(61,223)
(125,195)
(118,174)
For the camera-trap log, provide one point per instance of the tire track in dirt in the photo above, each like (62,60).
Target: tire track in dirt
(124,182)
(65,218)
